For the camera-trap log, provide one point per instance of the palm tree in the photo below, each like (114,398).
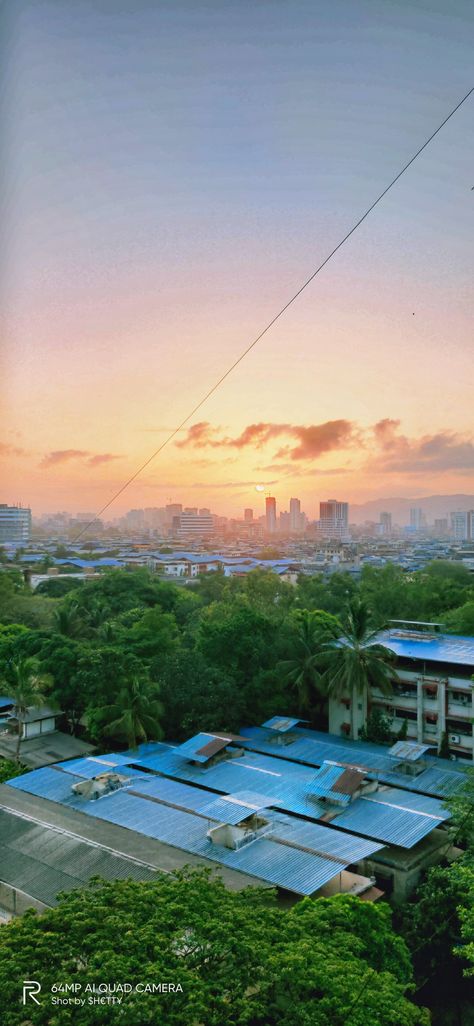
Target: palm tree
(135,715)
(25,686)
(67,621)
(313,628)
(356,662)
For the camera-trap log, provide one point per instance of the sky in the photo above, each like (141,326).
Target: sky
(173,171)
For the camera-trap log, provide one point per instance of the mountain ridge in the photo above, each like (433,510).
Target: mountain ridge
(433,506)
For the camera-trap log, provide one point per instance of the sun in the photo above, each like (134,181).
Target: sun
(259,488)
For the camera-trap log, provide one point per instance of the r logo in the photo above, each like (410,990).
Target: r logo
(31,987)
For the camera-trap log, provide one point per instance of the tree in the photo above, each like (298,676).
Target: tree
(461,620)
(25,686)
(58,587)
(443,751)
(356,663)
(60,657)
(377,727)
(9,770)
(135,714)
(237,639)
(237,957)
(67,621)
(431,924)
(310,630)
(196,696)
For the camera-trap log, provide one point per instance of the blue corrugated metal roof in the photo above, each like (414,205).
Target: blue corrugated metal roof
(191,748)
(282,723)
(290,784)
(313,747)
(4,702)
(386,822)
(439,648)
(284,865)
(285,784)
(322,783)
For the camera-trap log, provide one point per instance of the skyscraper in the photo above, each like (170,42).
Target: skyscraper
(270,514)
(462,525)
(386,523)
(417,519)
(248,516)
(334,519)
(15,524)
(295,516)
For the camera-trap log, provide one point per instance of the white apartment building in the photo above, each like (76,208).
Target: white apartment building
(433,689)
(462,525)
(15,524)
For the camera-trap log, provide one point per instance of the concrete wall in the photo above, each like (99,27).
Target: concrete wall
(17,902)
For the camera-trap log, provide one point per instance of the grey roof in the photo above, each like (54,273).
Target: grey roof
(42,861)
(410,751)
(36,712)
(44,749)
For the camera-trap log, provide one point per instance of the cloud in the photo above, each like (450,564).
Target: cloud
(6,449)
(104,457)
(58,456)
(51,459)
(317,439)
(312,440)
(231,484)
(441,452)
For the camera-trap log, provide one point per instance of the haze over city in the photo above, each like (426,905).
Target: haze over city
(172,199)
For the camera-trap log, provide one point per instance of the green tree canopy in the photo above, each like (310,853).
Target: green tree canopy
(238,957)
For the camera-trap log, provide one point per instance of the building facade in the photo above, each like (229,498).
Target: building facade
(462,525)
(270,514)
(15,524)
(334,519)
(433,691)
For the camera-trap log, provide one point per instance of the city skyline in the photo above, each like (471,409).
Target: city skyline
(206,168)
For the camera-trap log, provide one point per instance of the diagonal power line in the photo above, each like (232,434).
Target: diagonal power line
(274,319)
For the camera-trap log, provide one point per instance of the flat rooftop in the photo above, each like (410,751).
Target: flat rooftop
(426,647)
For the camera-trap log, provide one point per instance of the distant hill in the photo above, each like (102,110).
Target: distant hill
(433,506)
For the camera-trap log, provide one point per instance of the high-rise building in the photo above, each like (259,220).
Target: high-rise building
(385,523)
(270,514)
(296,516)
(417,519)
(284,523)
(15,524)
(248,516)
(135,519)
(334,519)
(194,524)
(440,527)
(462,525)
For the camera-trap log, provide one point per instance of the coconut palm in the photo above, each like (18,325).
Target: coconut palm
(135,715)
(67,621)
(313,628)
(356,662)
(25,686)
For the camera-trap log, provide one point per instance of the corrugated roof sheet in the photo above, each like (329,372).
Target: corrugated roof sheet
(439,648)
(410,751)
(301,857)
(313,747)
(42,861)
(281,723)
